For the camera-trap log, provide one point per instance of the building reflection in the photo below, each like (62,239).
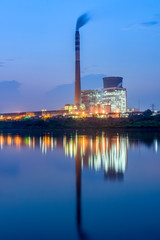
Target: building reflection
(106,153)
(100,153)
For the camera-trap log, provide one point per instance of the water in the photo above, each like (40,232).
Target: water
(101,186)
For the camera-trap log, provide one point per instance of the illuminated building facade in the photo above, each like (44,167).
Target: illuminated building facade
(105,101)
(32,115)
(100,108)
(70,107)
(90,98)
(116,98)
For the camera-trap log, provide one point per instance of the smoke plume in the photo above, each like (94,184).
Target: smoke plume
(82,20)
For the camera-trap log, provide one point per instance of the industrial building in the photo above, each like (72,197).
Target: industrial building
(90,98)
(100,109)
(114,94)
(111,99)
(116,98)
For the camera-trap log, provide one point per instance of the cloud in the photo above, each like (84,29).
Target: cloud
(157,15)
(10,59)
(9,86)
(149,24)
(10,96)
(129,27)
(57,97)
(2,64)
(88,69)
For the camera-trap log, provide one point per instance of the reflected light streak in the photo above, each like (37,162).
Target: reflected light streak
(104,152)
(99,152)
(156,145)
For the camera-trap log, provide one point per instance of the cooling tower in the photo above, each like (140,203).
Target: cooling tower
(110,82)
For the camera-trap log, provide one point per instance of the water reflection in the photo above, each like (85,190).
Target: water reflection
(107,152)
(99,152)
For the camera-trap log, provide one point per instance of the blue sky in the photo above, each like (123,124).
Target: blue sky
(37,48)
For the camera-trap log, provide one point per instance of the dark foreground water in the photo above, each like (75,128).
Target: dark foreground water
(101,186)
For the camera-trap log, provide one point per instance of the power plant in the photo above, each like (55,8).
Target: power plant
(112,98)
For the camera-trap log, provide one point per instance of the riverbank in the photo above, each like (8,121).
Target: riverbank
(89,124)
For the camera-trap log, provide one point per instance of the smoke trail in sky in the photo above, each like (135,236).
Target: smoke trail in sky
(82,20)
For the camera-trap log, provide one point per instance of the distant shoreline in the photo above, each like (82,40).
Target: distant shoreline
(85,125)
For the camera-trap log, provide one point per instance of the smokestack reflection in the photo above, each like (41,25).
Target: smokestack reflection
(102,152)
(78,192)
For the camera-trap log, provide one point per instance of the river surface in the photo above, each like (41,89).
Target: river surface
(79,186)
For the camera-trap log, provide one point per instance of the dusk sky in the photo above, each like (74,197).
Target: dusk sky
(37,50)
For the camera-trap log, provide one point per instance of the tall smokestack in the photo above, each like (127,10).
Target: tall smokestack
(77,70)
(82,20)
